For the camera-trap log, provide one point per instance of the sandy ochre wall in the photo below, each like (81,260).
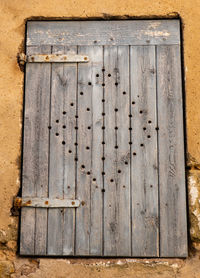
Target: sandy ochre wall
(13,16)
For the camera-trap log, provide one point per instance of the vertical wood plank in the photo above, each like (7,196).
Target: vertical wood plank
(123,152)
(84,141)
(173,224)
(35,154)
(27,234)
(56,156)
(144,170)
(62,150)
(117,226)
(96,56)
(89,149)
(69,124)
(110,153)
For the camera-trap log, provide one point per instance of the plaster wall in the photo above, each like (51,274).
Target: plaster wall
(13,16)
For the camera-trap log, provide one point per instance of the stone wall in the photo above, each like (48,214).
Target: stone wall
(13,16)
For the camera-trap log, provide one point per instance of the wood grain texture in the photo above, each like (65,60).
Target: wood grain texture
(56,157)
(96,75)
(62,165)
(144,170)
(173,224)
(84,164)
(89,178)
(70,77)
(123,152)
(35,154)
(110,153)
(113,32)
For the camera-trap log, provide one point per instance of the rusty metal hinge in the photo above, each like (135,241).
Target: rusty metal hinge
(45,202)
(52,58)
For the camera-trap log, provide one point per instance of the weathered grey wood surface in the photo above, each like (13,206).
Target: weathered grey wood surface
(110,153)
(112,32)
(96,208)
(173,224)
(123,141)
(62,164)
(84,163)
(56,156)
(35,154)
(89,217)
(117,226)
(69,82)
(144,168)
(108,133)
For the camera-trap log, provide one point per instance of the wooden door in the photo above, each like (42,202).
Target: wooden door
(107,133)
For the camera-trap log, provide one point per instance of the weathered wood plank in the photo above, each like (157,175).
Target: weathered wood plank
(56,155)
(62,152)
(123,152)
(27,231)
(35,154)
(84,141)
(144,170)
(173,224)
(110,153)
(89,179)
(70,75)
(115,32)
(96,56)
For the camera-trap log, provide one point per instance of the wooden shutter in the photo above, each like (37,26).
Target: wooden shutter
(107,133)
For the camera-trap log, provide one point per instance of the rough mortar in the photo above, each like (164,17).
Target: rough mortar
(13,16)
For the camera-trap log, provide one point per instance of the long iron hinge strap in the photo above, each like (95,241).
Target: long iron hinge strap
(45,203)
(52,58)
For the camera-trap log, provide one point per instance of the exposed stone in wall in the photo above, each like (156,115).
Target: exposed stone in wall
(8,237)
(194,204)
(97,268)
(122,269)
(6,269)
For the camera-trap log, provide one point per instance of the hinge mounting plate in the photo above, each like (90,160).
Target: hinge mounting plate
(45,202)
(53,58)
